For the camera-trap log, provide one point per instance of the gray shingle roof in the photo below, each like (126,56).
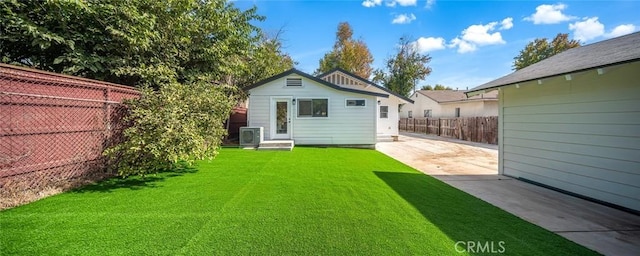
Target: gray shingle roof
(597,55)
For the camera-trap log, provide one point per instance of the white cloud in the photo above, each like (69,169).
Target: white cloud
(429,44)
(549,14)
(403,19)
(507,23)
(393,3)
(430,3)
(371,3)
(621,30)
(463,46)
(587,29)
(479,35)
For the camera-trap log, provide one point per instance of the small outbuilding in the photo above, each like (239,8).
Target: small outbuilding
(572,122)
(296,106)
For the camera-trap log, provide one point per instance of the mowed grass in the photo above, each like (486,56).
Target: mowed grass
(311,201)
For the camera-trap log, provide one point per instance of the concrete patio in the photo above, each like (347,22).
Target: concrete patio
(473,168)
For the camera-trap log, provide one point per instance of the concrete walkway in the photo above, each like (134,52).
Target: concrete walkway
(472,168)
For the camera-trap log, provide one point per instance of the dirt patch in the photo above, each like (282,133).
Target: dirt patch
(22,190)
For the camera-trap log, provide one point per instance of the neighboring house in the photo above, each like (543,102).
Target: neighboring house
(572,121)
(296,106)
(387,111)
(450,103)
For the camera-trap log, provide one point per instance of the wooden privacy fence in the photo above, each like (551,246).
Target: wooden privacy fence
(53,128)
(476,129)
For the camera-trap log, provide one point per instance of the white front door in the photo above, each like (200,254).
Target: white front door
(281,118)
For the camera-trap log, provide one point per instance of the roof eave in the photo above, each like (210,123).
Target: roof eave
(480,90)
(312,78)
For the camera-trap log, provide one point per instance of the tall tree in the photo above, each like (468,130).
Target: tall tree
(404,69)
(133,42)
(349,54)
(540,49)
(176,47)
(266,59)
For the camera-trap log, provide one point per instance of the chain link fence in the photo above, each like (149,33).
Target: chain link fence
(53,129)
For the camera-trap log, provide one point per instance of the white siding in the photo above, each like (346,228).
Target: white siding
(470,108)
(385,126)
(581,135)
(258,113)
(389,125)
(343,126)
(420,104)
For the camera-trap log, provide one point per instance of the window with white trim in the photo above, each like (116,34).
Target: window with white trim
(355,102)
(457,112)
(410,114)
(427,113)
(384,111)
(313,107)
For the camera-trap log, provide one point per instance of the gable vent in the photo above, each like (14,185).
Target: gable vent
(294,81)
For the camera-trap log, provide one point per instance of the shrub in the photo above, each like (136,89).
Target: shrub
(172,127)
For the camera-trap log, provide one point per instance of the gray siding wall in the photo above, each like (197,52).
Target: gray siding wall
(581,135)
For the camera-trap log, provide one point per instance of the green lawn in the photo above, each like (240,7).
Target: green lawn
(311,201)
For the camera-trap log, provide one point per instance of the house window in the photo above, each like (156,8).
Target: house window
(384,111)
(355,102)
(410,114)
(457,112)
(313,107)
(294,82)
(427,113)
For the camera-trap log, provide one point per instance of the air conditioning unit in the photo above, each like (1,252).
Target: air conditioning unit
(251,136)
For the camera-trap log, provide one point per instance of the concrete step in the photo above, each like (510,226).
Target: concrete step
(276,145)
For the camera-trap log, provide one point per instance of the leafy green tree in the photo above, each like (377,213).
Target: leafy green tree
(404,69)
(436,87)
(540,49)
(442,87)
(172,127)
(134,42)
(266,59)
(176,49)
(349,54)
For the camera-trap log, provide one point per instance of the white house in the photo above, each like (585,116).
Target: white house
(296,106)
(572,122)
(388,107)
(450,103)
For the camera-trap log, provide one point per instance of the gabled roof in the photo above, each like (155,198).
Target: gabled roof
(442,96)
(366,82)
(315,79)
(610,52)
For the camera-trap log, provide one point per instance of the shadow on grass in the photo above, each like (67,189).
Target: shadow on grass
(134,182)
(463,217)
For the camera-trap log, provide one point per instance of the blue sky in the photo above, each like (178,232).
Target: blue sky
(470,42)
